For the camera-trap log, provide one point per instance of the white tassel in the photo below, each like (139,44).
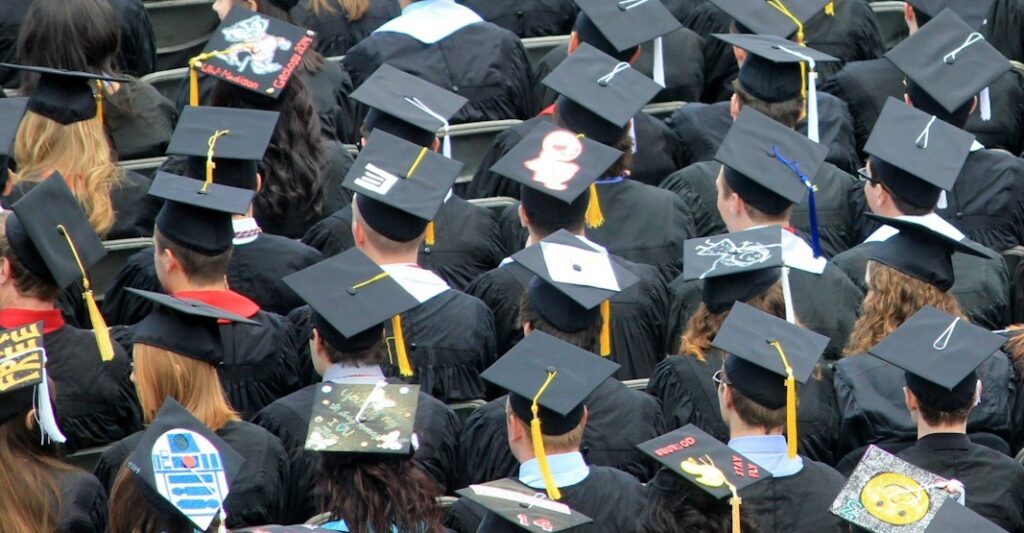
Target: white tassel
(985,104)
(44,411)
(787,296)
(446,144)
(942,201)
(659,63)
(812,103)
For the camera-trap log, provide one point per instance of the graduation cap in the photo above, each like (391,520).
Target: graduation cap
(548,382)
(556,166)
(66,96)
(11,112)
(735,267)
(54,240)
(184,326)
(771,166)
(400,185)
(973,12)
(940,354)
(707,463)
(23,379)
(408,106)
(923,252)
(524,507)
(351,298)
(197,214)
(763,347)
(224,144)
(574,283)
(930,151)
(950,61)
(955,517)
(364,418)
(183,468)
(628,23)
(253,51)
(774,17)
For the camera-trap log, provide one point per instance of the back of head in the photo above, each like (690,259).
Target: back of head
(548,214)
(587,32)
(585,334)
(705,323)
(25,282)
(87,30)
(31,501)
(910,194)
(194,384)
(921,100)
(198,267)
(354,9)
(675,506)
(131,512)
(785,111)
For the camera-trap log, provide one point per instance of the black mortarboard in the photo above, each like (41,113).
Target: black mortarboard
(184,326)
(253,51)
(554,375)
(351,298)
(973,12)
(763,18)
(949,60)
(955,517)
(23,380)
(197,215)
(921,252)
(286,5)
(400,186)
(363,418)
(626,24)
(940,353)
(232,139)
(183,467)
(771,71)
(11,112)
(735,267)
(523,507)
(930,151)
(407,106)
(65,96)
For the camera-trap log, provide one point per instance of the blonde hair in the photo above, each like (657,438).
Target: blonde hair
(80,152)
(194,384)
(891,299)
(573,439)
(355,9)
(704,325)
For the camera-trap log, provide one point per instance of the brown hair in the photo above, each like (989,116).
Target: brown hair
(199,268)
(572,440)
(382,243)
(80,152)
(936,417)
(1014,347)
(754,414)
(374,355)
(130,512)
(587,339)
(355,9)
(704,325)
(756,215)
(891,299)
(787,112)
(194,384)
(27,283)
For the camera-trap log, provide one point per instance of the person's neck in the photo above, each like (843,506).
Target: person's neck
(889,210)
(536,236)
(924,429)
(739,429)
(18,301)
(745,223)
(186,285)
(382,258)
(527,454)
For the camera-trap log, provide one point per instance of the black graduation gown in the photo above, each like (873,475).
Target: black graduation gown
(797,503)
(610,497)
(139,121)
(687,392)
(11,16)
(335,34)
(987,200)
(994,483)
(436,426)
(658,154)
(137,52)
(982,286)
(83,503)
(638,314)
(702,128)
(258,490)
(466,240)
(527,18)
(482,62)
(869,393)
(1003,30)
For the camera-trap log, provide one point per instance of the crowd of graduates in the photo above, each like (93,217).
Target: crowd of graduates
(784,307)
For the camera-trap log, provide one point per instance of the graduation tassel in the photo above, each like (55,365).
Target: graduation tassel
(44,409)
(777,4)
(210,165)
(430,234)
(404,366)
(794,167)
(99,101)
(791,436)
(595,218)
(808,90)
(99,326)
(830,8)
(985,105)
(735,502)
(606,328)
(537,436)
(787,296)
(193,82)
(659,62)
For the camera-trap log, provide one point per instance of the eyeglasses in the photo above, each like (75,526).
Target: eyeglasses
(862,174)
(717,378)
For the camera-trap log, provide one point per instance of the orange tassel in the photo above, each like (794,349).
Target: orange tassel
(606,328)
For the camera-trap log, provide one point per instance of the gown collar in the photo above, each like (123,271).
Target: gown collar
(13,317)
(227,300)
(769,451)
(359,374)
(944,442)
(931,220)
(429,21)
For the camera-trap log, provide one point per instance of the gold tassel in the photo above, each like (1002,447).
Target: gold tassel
(430,233)
(537,436)
(595,218)
(99,101)
(404,366)
(791,435)
(416,163)
(830,8)
(735,502)
(99,326)
(210,165)
(777,4)
(193,82)
(606,328)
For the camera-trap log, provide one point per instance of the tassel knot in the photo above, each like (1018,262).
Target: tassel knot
(594,216)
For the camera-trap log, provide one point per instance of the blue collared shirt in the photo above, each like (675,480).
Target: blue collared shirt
(770,452)
(567,469)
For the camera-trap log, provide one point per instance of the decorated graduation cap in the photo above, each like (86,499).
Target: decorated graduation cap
(351,298)
(556,166)
(924,252)
(400,186)
(628,23)
(782,18)
(364,418)
(707,463)
(223,145)
(973,12)
(735,267)
(950,62)
(915,155)
(953,516)
(11,112)
(23,379)
(197,214)
(66,96)
(523,507)
(183,468)
(940,354)
(574,283)
(408,106)
(54,240)
(548,382)
(762,348)
(771,166)
(184,326)
(253,51)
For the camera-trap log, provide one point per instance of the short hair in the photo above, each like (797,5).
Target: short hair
(937,417)
(380,242)
(755,214)
(569,440)
(787,112)
(753,413)
(199,268)
(895,172)
(373,355)
(26,283)
(587,339)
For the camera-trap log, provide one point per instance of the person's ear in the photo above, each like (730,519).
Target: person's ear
(636,54)
(5,270)
(974,104)
(909,16)
(259,182)
(358,233)
(740,55)
(436,145)
(252,5)
(734,106)
(908,100)
(574,41)
(516,429)
(527,328)
(524,220)
(909,400)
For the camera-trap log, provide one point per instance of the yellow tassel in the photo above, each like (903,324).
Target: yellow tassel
(606,328)
(211,143)
(777,4)
(404,366)
(416,162)
(830,8)
(735,502)
(595,218)
(193,82)
(99,327)
(537,436)
(791,436)
(99,101)
(430,233)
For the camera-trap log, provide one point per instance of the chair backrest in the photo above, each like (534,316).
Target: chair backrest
(167,82)
(890,21)
(470,142)
(86,459)
(146,166)
(662,110)
(335,59)
(464,409)
(352,150)
(494,203)
(11,93)
(1018,66)
(182,28)
(101,275)
(636,384)
(538,47)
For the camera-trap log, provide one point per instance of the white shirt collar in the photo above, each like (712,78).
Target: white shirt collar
(340,373)
(567,469)
(246,230)
(430,21)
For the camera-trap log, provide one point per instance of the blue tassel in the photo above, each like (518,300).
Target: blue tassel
(794,166)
